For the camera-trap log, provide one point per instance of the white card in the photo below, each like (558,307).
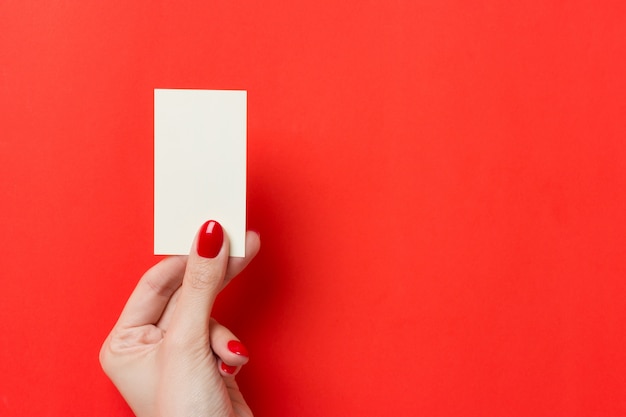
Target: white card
(199,167)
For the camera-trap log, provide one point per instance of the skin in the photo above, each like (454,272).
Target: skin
(165,353)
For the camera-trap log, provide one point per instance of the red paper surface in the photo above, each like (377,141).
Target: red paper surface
(439,188)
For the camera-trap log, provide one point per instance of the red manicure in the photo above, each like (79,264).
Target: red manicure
(238,348)
(210,239)
(228,369)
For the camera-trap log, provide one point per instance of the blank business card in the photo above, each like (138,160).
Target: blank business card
(199,167)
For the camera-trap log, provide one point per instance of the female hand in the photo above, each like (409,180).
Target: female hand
(165,354)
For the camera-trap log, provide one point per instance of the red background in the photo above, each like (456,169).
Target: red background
(439,188)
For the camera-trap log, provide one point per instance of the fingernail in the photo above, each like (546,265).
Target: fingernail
(238,348)
(228,369)
(210,239)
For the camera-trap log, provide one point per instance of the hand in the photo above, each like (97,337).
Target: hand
(165,354)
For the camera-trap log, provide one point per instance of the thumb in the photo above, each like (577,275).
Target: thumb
(206,268)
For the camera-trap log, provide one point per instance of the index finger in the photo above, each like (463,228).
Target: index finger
(153,292)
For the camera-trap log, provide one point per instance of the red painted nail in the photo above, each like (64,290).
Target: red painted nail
(210,239)
(228,369)
(238,348)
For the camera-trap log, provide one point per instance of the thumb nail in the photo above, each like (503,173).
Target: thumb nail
(210,239)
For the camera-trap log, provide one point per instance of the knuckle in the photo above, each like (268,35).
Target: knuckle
(105,355)
(159,286)
(203,278)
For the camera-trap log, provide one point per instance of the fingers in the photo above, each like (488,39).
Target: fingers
(152,294)
(236,265)
(203,279)
(231,353)
(166,317)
